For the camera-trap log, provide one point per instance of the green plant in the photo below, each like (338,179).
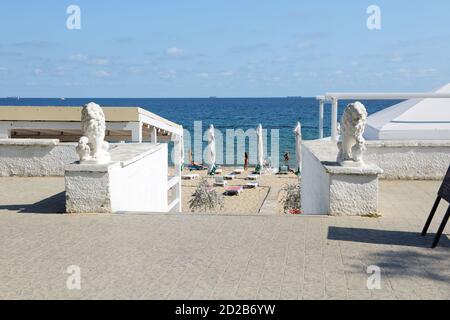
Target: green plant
(205,198)
(291,198)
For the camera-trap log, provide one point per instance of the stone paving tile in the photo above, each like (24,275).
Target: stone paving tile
(225,257)
(246,293)
(290,292)
(269,292)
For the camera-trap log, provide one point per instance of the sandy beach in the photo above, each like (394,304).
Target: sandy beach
(250,201)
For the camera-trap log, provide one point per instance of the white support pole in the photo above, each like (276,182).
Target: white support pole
(321,104)
(334,112)
(177,162)
(153,135)
(136,132)
(4,132)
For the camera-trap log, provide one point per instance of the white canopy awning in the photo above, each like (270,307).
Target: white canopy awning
(414,119)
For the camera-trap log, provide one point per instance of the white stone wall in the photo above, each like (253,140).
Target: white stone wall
(351,195)
(131,183)
(410,160)
(88,192)
(328,188)
(35,158)
(314,185)
(142,185)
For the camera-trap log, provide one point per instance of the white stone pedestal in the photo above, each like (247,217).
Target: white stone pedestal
(135,181)
(328,188)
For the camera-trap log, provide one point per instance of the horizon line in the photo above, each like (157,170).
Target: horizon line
(210,97)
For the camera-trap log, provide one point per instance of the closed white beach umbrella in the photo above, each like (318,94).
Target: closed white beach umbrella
(211,148)
(260,151)
(298,146)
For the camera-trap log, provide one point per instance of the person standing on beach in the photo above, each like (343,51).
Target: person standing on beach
(286,158)
(245,161)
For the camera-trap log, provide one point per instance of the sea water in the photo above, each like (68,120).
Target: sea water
(279,114)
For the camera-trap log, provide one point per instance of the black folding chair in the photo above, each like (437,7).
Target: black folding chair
(444,193)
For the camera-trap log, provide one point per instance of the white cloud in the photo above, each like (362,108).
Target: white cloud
(427,71)
(101,74)
(62,70)
(250,48)
(304,45)
(174,52)
(86,59)
(226,73)
(75,84)
(99,61)
(134,70)
(169,74)
(203,75)
(38,71)
(396,59)
(78,57)
(279,59)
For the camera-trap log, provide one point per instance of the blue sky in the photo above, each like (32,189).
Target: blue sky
(198,48)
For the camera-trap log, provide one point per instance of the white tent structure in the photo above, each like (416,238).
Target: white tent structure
(414,119)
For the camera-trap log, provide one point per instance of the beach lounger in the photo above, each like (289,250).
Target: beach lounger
(235,190)
(252,185)
(253,177)
(230,177)
(220,181)
(192,167)
(283,170)
(239,170)
(218,171)
(191,176)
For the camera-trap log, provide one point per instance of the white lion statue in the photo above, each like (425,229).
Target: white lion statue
(92,147)
(352,144)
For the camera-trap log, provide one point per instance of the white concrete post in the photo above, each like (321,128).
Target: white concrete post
(178,140)
(178,145)
(153,135)
(4,132)
(136,132)
(334,112)
(321,104)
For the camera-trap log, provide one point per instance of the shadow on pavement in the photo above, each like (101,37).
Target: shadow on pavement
(387,237)
(55,204)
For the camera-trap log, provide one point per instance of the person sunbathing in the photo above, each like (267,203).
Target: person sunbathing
(196,166)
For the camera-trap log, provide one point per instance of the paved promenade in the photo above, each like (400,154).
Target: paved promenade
(218,256)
